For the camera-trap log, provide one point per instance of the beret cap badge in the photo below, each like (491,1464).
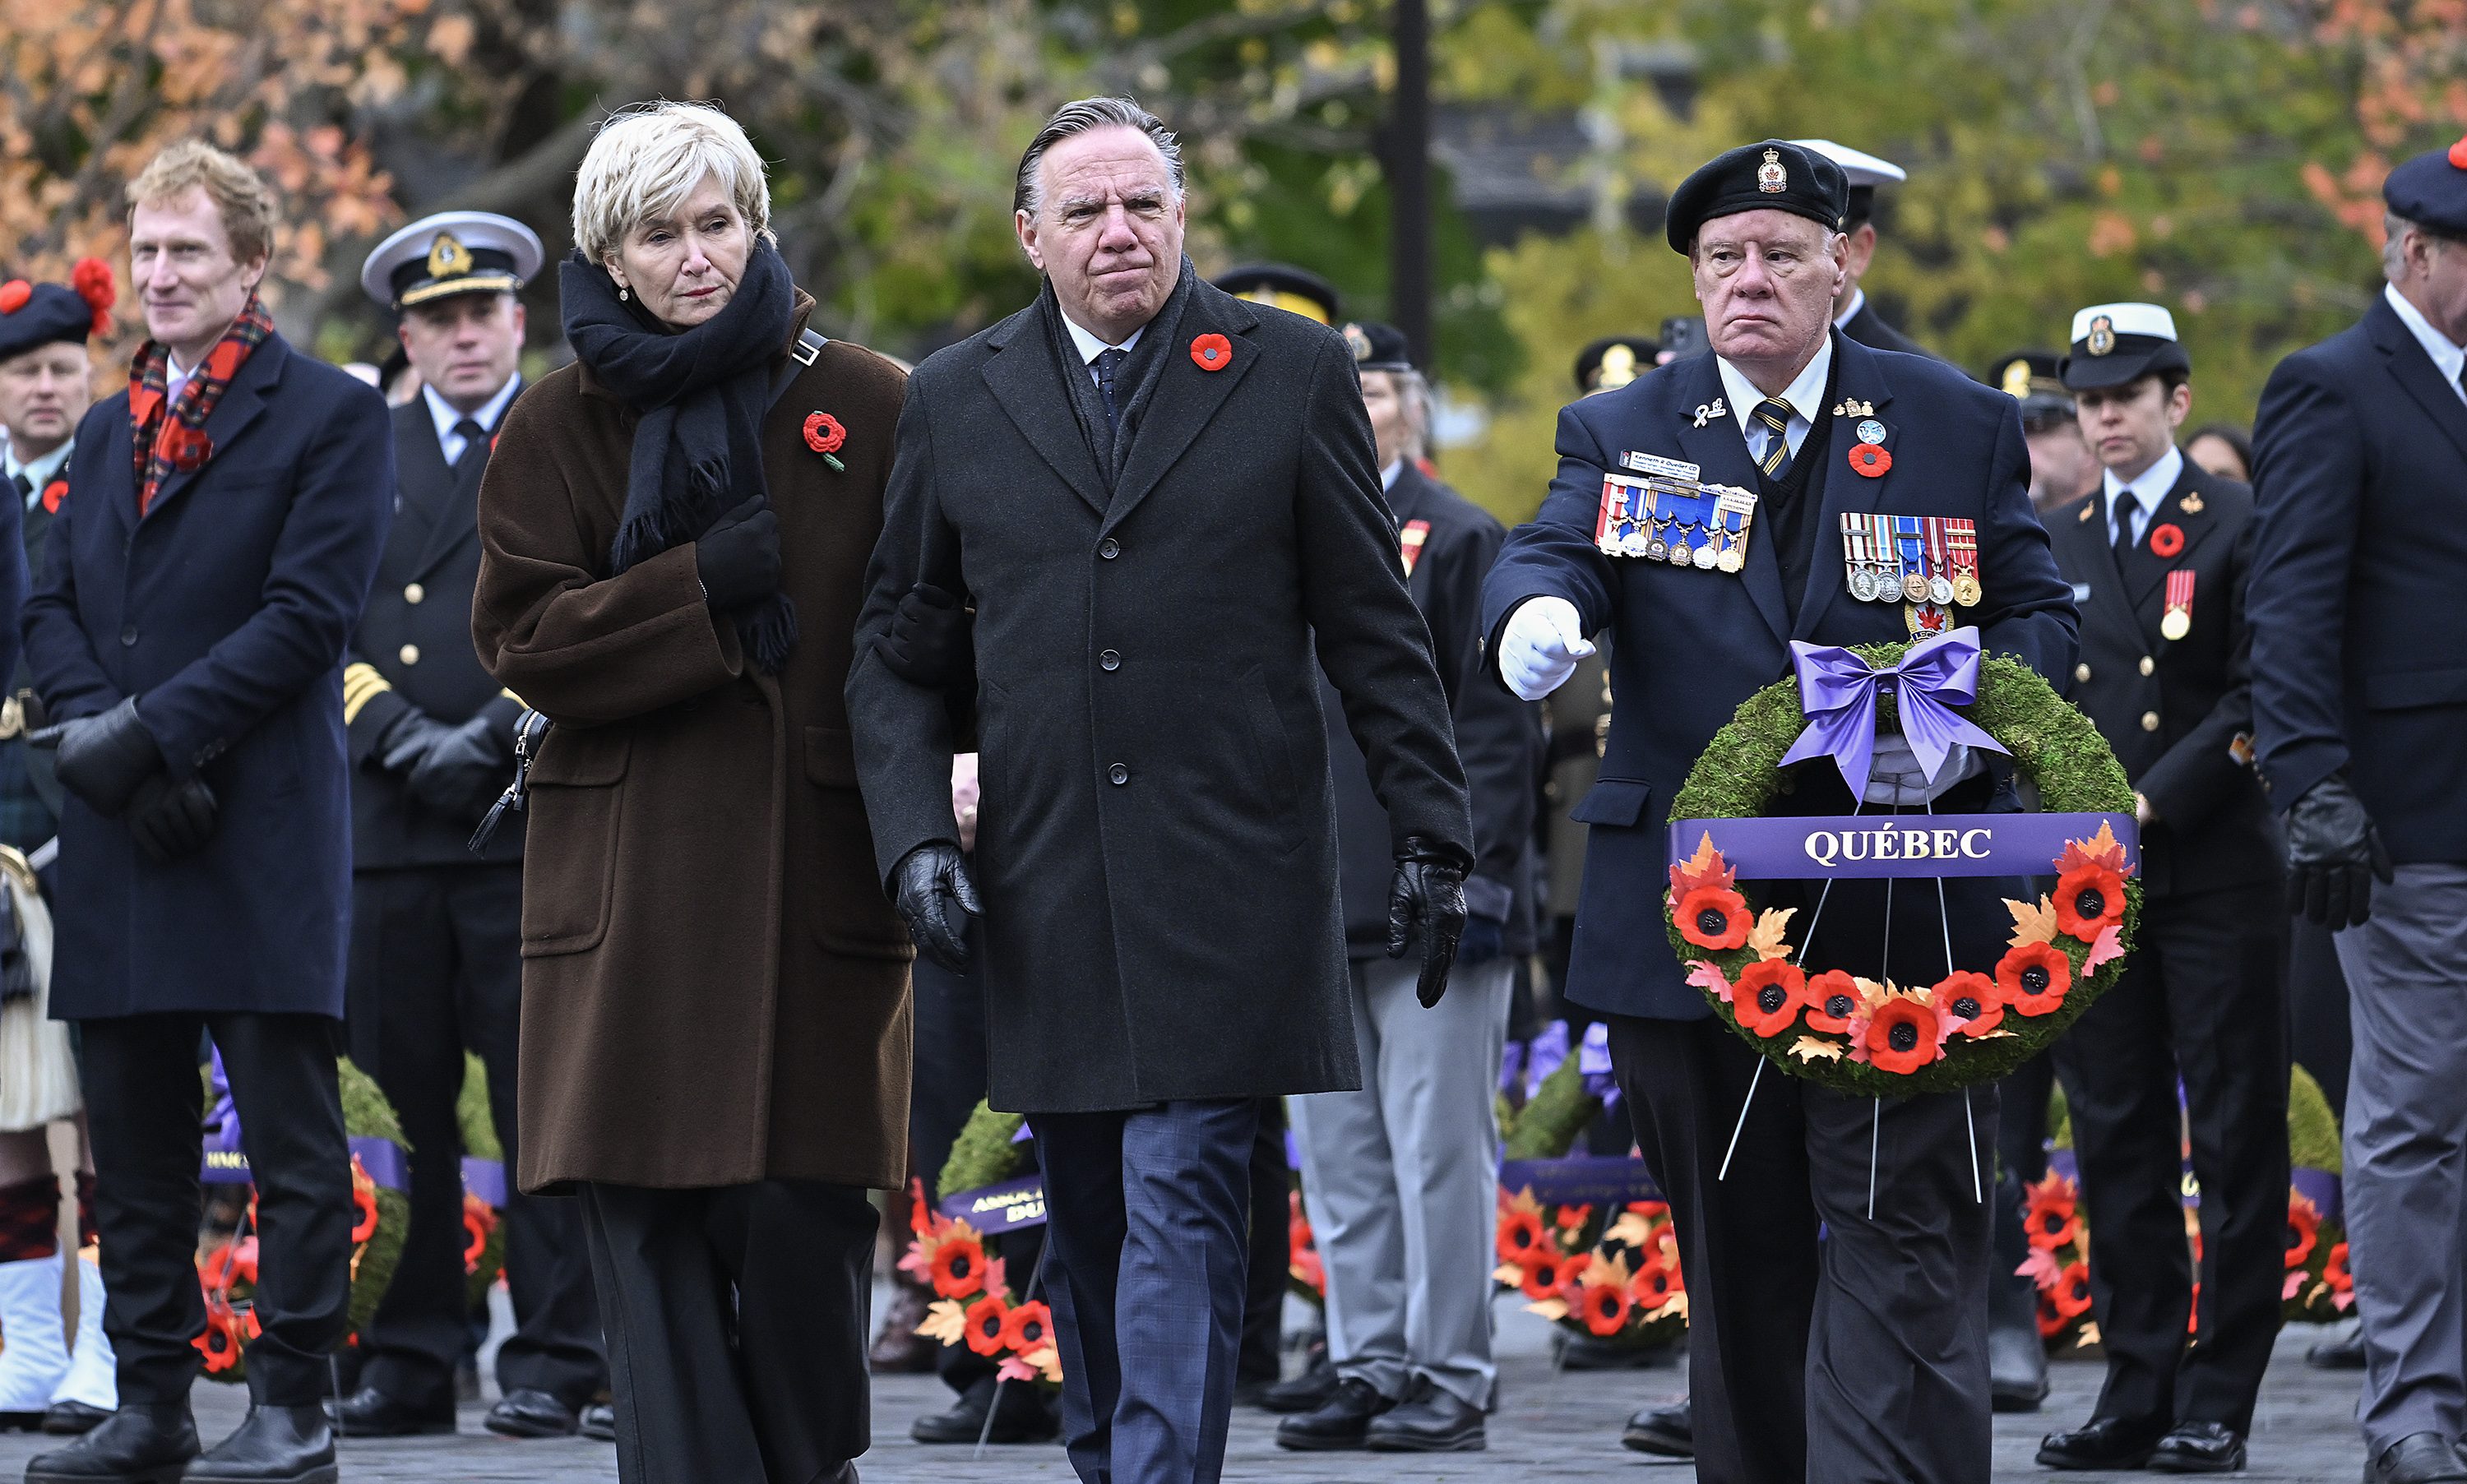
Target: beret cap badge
(1771,178)
(2102,336)
(1358,340)
(447,257)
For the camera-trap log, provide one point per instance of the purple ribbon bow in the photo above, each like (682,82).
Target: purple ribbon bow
(1837,690)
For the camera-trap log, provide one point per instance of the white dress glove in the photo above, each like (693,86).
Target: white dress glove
(1895,778)
(1539,648)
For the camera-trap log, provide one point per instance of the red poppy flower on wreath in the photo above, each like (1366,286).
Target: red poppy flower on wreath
(1544,1276)
(54,493)
(986,1320)
(2166,539)
(1028,1326)
(1713,917)
(2072,1291)
(219,1341)
(1521,1236)
(1769,996)
(2334,1271)
(1654,1284)
(2052,1220)
(13,295)
(232,1262)
(2032,978)
(364,1204)
(478,1222)
(1572,1218)
(959,1267)
(1870,459)
(1903,1036)
(1970,997)
(2303,1230)
(2090,899)
(1211,352)
(1604,1308)
(2051,1323)
(1832,999)
(1650,1210)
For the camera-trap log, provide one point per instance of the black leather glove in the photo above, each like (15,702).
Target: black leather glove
(1485,939)
(408,738)
(739,558)
(928,642)
(462,774)
(172,820)
(103,758)
(1428,895)
(930,886)
(2333,854)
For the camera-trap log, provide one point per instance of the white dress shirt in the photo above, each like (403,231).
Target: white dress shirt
(1090,347)
(2446,358)
(2147,489)
(1850,311)
(38,473)
(174,378)
(1388,475)
(441,413)
(1803,394)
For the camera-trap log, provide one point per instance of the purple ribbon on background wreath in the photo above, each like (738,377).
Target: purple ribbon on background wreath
(1837,691)
(222,1123)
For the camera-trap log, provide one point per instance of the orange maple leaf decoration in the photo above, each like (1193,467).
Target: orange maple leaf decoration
(2101,849)
(1705,869)
(2032,924)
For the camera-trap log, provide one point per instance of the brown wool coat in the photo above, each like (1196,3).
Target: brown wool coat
(714,988)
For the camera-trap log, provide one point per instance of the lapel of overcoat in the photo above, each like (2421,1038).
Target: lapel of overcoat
(1187,393)
(1720,452)
(2411,368)
(1026,383)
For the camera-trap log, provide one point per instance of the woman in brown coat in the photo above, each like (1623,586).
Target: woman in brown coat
(716,1018)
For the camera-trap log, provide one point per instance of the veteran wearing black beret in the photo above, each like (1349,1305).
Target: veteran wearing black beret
(1862,1357)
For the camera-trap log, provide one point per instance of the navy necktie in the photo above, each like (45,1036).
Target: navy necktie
(473,437)
(25,487)
(1108,364)
(2126,508)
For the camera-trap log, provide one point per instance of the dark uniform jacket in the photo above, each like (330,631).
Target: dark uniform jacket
(2359,556)
(2177,712)
(1690,645)
(225,611)
(29,793)
(1497,735)
(1869,329)
(1156,837)
(416,639)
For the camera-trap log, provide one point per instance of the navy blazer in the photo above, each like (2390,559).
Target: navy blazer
(1690,645)
(2360,458)
(225,611)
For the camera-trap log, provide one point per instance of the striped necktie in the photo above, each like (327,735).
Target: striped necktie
(1772,414)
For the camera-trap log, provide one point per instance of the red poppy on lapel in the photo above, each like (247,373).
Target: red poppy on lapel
(54,493)
(1870,459)
(2166,539)
(1211,352)
(824,434)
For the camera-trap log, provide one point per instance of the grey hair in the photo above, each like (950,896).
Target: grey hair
(2394,229)
(1414,394)
(1078,118)
(649,157)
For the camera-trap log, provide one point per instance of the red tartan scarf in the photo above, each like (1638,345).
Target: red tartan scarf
(175,439)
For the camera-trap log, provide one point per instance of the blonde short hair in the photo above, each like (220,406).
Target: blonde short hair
(239,193)
(649,158)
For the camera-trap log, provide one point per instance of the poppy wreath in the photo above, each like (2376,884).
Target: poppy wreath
(226,1263)
(1886,1040)
(973,1303)
(1615,1280)
(1305,1274)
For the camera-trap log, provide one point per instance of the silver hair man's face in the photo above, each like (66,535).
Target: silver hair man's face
(1107,229)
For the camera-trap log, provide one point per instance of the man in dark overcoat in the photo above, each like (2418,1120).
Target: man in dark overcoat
(1804,1361)
(2359,721)
(435,964)
(204,575)
(1162,502)
(2159,559)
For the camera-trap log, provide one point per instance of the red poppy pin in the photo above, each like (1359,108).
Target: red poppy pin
(54,493)
(189,448)
(13,295)
(2166,539)
(2458,154)
(824,435)
(1211,352)
(1870,459)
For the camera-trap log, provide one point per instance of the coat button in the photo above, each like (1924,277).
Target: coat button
(409,654)
(1111,659)
(128,637)
(2150,721)
(1109,548)
(413,593)
(2148,664)
(2081,672)
(1118,774)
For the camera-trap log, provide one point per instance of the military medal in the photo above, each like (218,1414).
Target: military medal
(1659,547)
(1412,539)
(1939,568)
(1623,508)
(1855,541)
(1963,536)
(2178,620)
(1906,542)
(1706,557)
(1870,431)
(1887,560)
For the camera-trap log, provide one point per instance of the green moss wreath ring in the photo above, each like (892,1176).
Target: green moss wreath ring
(1885,1040)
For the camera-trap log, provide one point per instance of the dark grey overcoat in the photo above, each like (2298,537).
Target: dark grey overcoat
(1157,845)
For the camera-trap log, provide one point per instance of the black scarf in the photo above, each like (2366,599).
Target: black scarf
(700,394)
(1135,385)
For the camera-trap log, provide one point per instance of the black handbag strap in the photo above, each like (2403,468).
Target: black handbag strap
(804,353)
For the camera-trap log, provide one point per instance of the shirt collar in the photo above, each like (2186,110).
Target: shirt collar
(1090,347)
(1802,394)
(2447,357)
(40,471)
(1388,475)
(441,413)
(2147,489)
(1850,311)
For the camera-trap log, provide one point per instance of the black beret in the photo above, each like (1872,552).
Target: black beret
(1775,175)
(32,315)
(1378,347)
(2431,189)
(1284,287)
(1614,361)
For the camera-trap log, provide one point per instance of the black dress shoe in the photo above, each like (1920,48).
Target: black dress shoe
(135,1444)
(1585,1353)
(2104,1443)
(370,1413)
(528,1413)
(71,1419)
(1307,1392)
(2017,1369)
(2418,1458)
(1430,1421)
(1665,1432)
(1021,1415)
(1341,1424)
(2199,1448)
(599,1423)
(2346,1353)
(273,1445)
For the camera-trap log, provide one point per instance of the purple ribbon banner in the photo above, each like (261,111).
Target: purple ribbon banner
(1580,1180)
(382,1157)
(1800,848)
(1006,1206)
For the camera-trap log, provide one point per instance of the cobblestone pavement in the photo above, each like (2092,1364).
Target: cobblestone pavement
(1549,1428)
